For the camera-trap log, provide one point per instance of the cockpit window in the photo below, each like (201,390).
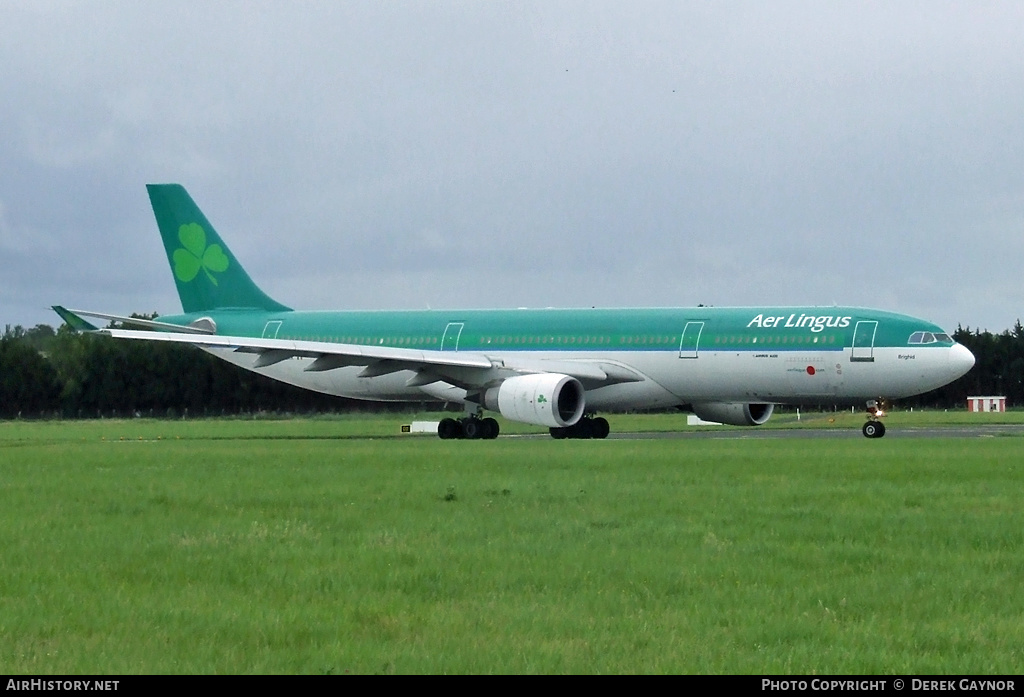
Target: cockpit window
(928,338)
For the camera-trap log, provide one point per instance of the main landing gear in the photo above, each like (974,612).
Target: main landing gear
(587,427)
(468,428)
(874,428)
(472,427)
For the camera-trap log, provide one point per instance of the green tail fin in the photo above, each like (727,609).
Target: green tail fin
(206,272)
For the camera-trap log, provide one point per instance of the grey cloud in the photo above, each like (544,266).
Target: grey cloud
(486,154)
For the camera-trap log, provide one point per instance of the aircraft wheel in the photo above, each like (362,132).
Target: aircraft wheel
(491,428)
(558,433)
(582,430)
(448,429)
(873,429)
(472,429)
(600,428)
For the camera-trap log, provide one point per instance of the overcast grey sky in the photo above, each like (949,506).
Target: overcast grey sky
(360,155)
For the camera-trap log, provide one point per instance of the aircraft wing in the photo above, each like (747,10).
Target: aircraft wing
(464,368)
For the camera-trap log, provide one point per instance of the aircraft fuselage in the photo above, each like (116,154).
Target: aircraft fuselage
(672,355)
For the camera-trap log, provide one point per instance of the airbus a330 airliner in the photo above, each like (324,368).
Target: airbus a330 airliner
(552,367)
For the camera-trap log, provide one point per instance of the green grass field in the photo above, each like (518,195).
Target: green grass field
(299,546)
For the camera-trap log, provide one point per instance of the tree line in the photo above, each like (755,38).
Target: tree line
(998,370)
(62,373)
(47,373)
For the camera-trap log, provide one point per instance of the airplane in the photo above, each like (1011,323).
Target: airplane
(549,367)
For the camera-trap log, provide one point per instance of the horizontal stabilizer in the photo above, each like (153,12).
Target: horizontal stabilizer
(73,320)
(134,321)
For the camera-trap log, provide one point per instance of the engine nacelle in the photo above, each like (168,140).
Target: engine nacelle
(734,413)
(547,399)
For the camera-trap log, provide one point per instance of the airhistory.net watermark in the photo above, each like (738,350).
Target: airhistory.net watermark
(62,685)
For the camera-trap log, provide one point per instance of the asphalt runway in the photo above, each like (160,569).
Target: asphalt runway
(815,433)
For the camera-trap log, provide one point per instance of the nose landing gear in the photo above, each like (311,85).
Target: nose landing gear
(874,428)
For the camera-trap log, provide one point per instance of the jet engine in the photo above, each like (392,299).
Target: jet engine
(547,399)
(734,413)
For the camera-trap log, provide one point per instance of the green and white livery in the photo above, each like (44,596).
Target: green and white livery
(552,367)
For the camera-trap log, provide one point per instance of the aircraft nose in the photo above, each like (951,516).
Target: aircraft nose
(960,360)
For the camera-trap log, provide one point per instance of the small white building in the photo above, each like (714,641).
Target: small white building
(420,427)
(986,404)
